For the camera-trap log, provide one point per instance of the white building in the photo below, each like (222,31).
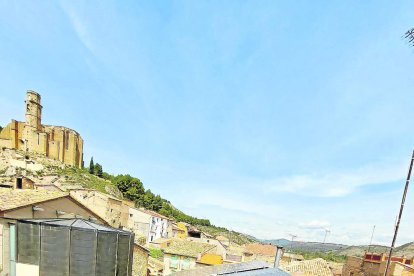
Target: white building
(148,224)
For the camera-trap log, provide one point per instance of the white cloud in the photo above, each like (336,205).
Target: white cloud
(336,184)
(315,224)
(203,198)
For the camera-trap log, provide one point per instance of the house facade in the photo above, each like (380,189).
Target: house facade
(115,211)
(148,224)
(184,255)
(33,204)
(374,264)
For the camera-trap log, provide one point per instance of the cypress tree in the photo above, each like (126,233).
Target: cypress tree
(91,166)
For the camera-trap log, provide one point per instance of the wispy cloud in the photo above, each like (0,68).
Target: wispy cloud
(338,183)
(78,25)
(315,224)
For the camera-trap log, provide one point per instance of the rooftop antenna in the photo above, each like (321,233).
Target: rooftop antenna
(409,35)
(397,225)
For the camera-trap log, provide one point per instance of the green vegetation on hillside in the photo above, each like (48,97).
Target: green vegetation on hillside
(131,188)
(83,177)
(233,236)
(327,256)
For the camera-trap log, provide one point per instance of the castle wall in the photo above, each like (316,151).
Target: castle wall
(56,142)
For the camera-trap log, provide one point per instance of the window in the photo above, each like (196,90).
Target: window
(130,215)
(186,263)
(38,138)
(19,183)
(174,262)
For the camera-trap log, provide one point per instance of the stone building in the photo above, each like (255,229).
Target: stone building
(55,142)
(115,211)
(34,204)
(140,264)
(148,225)
(183,255)
(374,264)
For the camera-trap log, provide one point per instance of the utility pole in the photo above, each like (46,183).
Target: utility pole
(397,225)
(326,233)
(370,242)
(291,243)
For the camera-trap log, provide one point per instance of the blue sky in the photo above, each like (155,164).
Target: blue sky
(267,117)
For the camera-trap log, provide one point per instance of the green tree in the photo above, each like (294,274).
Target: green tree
(91,166)
(131,187)
(147,200)
(1,128)
(98,170)
(157,203)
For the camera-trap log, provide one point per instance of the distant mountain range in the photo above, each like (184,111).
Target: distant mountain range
(341,249)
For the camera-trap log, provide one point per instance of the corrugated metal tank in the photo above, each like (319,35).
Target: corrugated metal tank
(73,247)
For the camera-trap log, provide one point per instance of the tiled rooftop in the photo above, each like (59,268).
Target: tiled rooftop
(262,249)
(188,248)
(161,240)
(252,268)
(315,267)
(11,199)
(152,213)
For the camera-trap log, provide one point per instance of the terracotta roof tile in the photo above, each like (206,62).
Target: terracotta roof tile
(315,267)
(152,213)
(11,199)
(262,249)
(188,248)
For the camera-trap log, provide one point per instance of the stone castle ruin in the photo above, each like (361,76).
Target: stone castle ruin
(55,142)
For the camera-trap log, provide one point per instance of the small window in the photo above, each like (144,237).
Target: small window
(130,215)
(38,138)
(19,183)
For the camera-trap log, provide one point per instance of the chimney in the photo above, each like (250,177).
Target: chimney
(279,251)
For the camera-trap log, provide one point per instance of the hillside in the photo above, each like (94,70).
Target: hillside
(307,246)
(234,237)
(341,249)
(44,171)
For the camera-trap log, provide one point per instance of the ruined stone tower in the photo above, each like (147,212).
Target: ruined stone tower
(33,111)
(33,125)
(56,142)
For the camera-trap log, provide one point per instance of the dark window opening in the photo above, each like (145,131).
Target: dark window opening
(67,140)
(19,183)
(194,234)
